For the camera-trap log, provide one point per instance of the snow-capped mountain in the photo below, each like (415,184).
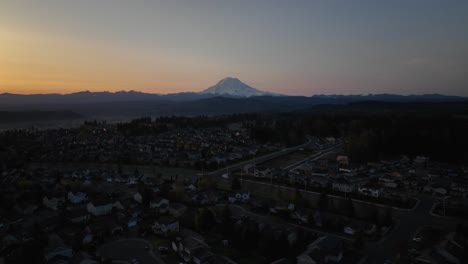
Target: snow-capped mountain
(234,87)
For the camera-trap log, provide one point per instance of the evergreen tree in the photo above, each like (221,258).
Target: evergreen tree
(323,202)
(235,184)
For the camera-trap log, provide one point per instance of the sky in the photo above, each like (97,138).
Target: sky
(296,47)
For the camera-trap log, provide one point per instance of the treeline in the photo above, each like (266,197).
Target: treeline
(440,133)
(371,131)
(10,117)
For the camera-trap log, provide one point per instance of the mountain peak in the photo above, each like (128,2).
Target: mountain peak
(232,86)
(229,79)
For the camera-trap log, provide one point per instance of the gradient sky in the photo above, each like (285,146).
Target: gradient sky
(293,47)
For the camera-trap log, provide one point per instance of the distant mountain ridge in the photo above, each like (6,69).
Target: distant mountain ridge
(9,100)
(229,95)
(227,87)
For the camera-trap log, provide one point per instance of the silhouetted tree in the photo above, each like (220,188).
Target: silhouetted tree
(235,184)
(323,202)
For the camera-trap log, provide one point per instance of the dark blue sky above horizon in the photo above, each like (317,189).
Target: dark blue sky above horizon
(291,47)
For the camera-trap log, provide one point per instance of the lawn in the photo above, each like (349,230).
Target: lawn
(288,159)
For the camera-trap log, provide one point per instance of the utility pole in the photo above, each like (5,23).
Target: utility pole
(445,198)
(242,176)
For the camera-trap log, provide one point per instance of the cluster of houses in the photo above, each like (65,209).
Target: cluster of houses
(76,220)
(77,211)
(81,210)
(192,248)
(326,249)
(389,179)
(435,245)
(200,148)
(318,248)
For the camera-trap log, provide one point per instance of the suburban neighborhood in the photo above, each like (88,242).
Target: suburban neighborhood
(217,196)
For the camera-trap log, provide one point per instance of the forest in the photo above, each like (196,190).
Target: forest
(370,131)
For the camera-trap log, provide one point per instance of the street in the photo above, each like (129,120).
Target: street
(256,160)
(408,223)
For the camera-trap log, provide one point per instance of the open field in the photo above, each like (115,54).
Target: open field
(289,159)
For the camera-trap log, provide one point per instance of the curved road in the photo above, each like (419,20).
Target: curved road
(270,156)
(408,224)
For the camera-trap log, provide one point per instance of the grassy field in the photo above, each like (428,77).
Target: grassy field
(288,159)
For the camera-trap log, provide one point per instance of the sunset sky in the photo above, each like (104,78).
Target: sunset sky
(291,47)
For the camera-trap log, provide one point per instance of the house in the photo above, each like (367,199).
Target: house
(87,239)
(105,225)
(77,198)
(307,167)
(282,207)
(201,199)
(262,172)
(132,222)
(52,202)
(177,209)
(370,189)
(165,225)
(239,197)
(132,181)
(317,218)
(201,255)
(100,207)
(78,215)
(325,249)
(161,204)
(435,189)
(190,188)
(88,261)
(302,215)
(26,208)
(187,247)
(459,190)
(343,185)
(318,180)
(49,221)
(388,182)
(56,249)
(299,178)
(244,197)
(220,159)
(349,230)
(341,159)
(138,198)
(249,169)
(421,161)
(357,179)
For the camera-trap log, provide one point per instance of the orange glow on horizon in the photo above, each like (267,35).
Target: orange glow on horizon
(32,63)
